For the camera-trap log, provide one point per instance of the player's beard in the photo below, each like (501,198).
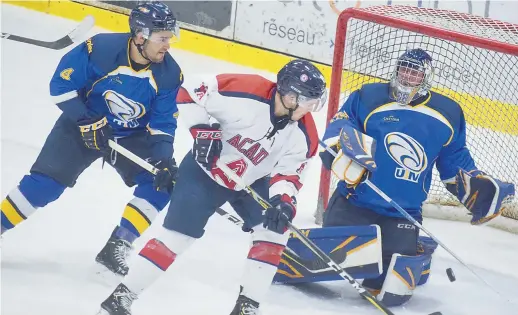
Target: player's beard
(155,57)
(158,57)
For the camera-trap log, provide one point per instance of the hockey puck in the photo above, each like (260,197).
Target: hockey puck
(436,313)
(450,274)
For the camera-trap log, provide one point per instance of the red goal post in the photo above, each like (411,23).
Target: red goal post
(475,63)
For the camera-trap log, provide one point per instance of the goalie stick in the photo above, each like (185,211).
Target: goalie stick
(309,244)
(72,37)
(317,251)
(306,241)
(417,224)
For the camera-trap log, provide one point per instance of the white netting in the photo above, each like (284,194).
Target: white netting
(483,81)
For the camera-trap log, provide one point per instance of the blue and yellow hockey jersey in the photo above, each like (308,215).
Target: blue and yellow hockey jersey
(96,79)
(410,140)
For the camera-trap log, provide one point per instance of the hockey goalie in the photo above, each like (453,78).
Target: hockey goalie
(363,232)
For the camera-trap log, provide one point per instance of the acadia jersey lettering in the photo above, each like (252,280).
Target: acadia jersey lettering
(243,105)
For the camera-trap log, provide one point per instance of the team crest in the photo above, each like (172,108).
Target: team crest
(125,110)
(408,154)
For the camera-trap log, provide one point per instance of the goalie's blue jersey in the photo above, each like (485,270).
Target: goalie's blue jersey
(96,79)
(410,140)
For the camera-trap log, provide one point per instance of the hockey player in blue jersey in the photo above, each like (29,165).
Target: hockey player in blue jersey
(113,86)
(406,129)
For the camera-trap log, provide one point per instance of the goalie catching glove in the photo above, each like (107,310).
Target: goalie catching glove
(207,144)
(354,155)
(484,196)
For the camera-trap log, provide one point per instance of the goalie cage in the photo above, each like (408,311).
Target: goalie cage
(475,63)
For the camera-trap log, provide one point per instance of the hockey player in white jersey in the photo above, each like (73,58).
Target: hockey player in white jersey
(265,133)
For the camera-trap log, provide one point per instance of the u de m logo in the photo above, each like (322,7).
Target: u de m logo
(408,154)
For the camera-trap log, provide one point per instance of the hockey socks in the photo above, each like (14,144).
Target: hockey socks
(155,258)
(15,209)
(34,191)
(136,218)
(140,212)
(262,262)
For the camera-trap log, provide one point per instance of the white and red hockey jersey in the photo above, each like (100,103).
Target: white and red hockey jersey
(243,104)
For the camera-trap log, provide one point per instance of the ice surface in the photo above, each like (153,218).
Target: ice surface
(48,262)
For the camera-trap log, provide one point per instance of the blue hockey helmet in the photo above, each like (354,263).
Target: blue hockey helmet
(412,77)
(153,17)
(304,81)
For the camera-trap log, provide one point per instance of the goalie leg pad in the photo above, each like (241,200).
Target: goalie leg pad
(426,247)
(403,275)
(355,248)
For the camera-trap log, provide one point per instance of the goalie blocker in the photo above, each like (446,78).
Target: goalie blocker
(484,196)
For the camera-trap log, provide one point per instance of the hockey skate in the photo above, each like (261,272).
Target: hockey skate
(245,306)
(114,255)
(119,302)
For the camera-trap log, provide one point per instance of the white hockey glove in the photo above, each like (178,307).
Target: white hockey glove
(355,155)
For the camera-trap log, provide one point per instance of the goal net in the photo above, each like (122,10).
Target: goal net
(475,63)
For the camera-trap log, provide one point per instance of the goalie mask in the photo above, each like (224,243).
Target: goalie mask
(412,76)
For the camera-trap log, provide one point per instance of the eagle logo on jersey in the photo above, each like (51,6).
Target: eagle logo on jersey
(407,153)
(125,110)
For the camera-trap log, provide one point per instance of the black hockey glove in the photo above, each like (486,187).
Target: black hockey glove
(166,176)
(207,144)
(95,133)
(283,210)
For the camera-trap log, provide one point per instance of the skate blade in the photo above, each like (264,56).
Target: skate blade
(102,311)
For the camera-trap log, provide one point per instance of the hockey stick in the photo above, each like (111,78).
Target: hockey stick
(72,37)
(306,241)
(317,251)
(416,223)
(153,170)
(133,157)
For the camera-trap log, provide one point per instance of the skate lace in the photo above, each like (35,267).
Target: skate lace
(125,298)
(122,252)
